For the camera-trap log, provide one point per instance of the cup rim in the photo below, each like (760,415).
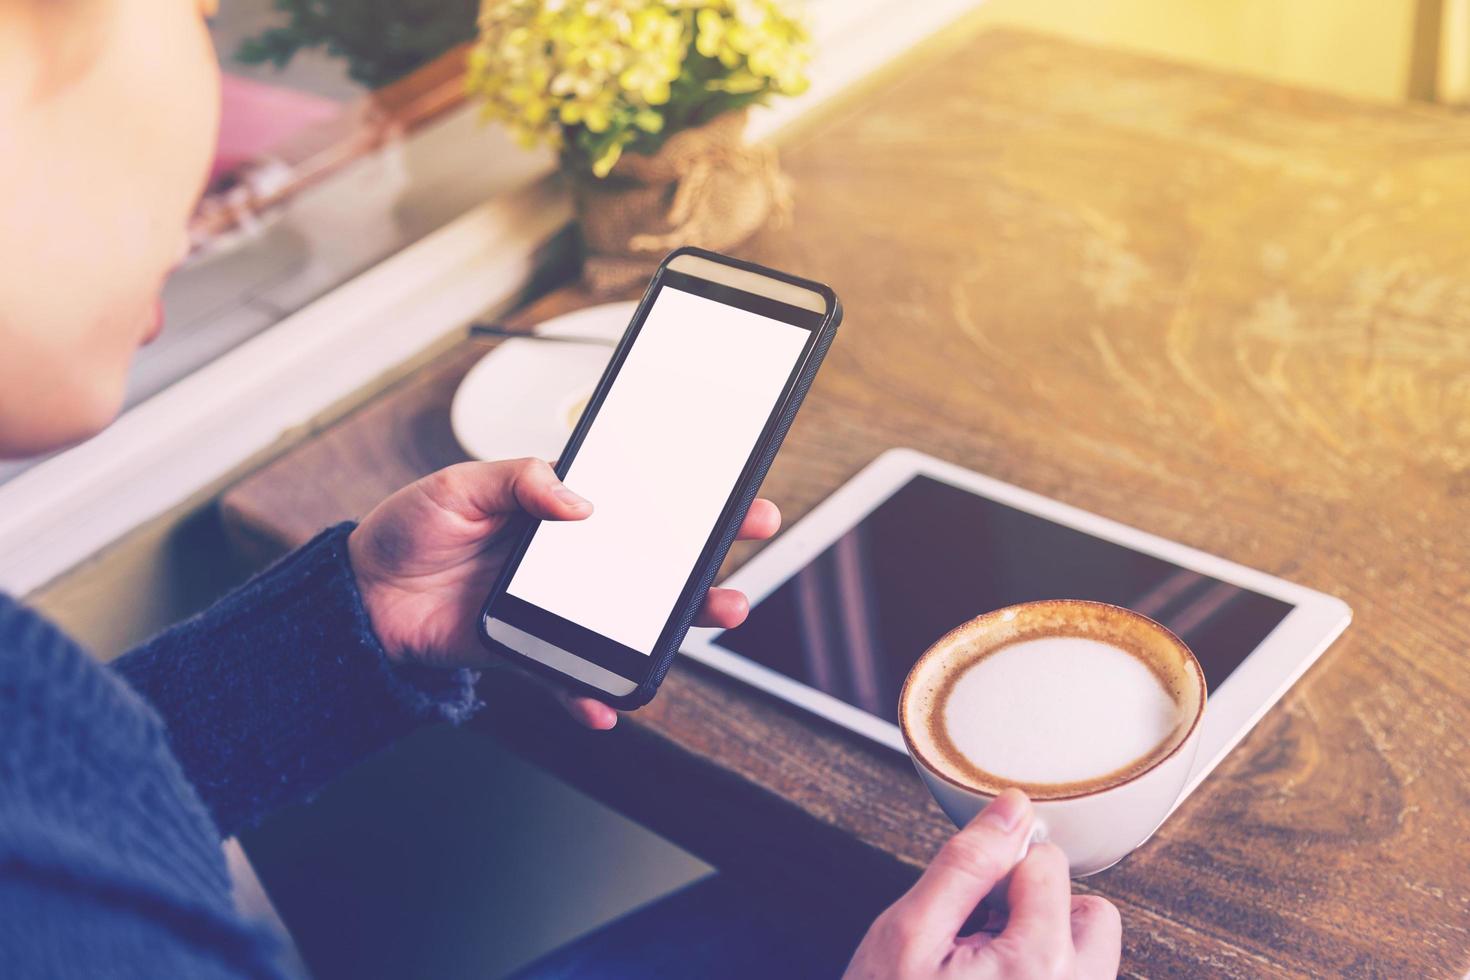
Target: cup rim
(933,649)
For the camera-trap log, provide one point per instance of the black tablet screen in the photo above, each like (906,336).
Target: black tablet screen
(852,622)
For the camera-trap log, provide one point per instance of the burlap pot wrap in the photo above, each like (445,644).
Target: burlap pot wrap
(705,186)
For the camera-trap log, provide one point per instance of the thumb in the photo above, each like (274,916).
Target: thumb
(541,493)
(476,491)
(967,868)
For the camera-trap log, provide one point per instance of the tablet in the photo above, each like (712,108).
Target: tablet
(843,603)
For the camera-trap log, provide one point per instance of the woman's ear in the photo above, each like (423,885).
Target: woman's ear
(47,44)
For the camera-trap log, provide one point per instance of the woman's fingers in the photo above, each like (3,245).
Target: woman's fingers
(762,521)
(727,608)
(723,609)
(965,869)
(1097,935)
(586,711)
(477,490)
(1040,900)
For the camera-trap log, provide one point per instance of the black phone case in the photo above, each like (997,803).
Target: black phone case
(663,656)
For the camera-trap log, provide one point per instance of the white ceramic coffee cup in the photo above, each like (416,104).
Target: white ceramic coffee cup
(1095,829)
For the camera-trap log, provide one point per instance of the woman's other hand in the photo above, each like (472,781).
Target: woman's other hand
(1048,934)
(426,557)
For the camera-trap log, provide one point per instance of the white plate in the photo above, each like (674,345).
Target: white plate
(524,397)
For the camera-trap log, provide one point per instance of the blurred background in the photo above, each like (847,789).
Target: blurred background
(353,176)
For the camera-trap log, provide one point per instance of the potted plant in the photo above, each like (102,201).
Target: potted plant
(645,101)
(381,40)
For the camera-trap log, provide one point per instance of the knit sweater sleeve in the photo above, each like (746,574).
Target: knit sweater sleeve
(282,684)
(109,864)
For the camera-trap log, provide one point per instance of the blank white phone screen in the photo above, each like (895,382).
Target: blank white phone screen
(658,464)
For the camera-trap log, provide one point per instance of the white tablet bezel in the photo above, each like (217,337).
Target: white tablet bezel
(1259,682)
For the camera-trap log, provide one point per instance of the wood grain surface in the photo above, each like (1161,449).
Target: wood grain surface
(1230,313)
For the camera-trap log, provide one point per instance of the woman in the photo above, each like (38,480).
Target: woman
(117,783)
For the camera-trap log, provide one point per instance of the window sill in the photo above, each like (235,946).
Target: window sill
(282,374)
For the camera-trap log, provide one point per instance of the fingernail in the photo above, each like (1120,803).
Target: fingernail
(1006,810)
(570,499)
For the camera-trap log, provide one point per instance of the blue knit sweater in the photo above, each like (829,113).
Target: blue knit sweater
(117,783)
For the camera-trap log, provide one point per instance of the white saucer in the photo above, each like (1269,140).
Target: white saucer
(524,397)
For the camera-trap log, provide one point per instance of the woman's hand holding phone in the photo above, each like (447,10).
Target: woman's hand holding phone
(425,557)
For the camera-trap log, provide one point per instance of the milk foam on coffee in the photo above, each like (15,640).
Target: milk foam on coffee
(1058,709)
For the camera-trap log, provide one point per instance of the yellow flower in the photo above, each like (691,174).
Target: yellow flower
(711,32)
(594,78)
(603,164)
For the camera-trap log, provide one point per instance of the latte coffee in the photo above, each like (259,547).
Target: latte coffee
(1060,699)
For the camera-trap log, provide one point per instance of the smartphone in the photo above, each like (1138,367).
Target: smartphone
(670,450)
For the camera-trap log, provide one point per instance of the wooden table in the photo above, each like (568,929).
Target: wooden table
(1230,313)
